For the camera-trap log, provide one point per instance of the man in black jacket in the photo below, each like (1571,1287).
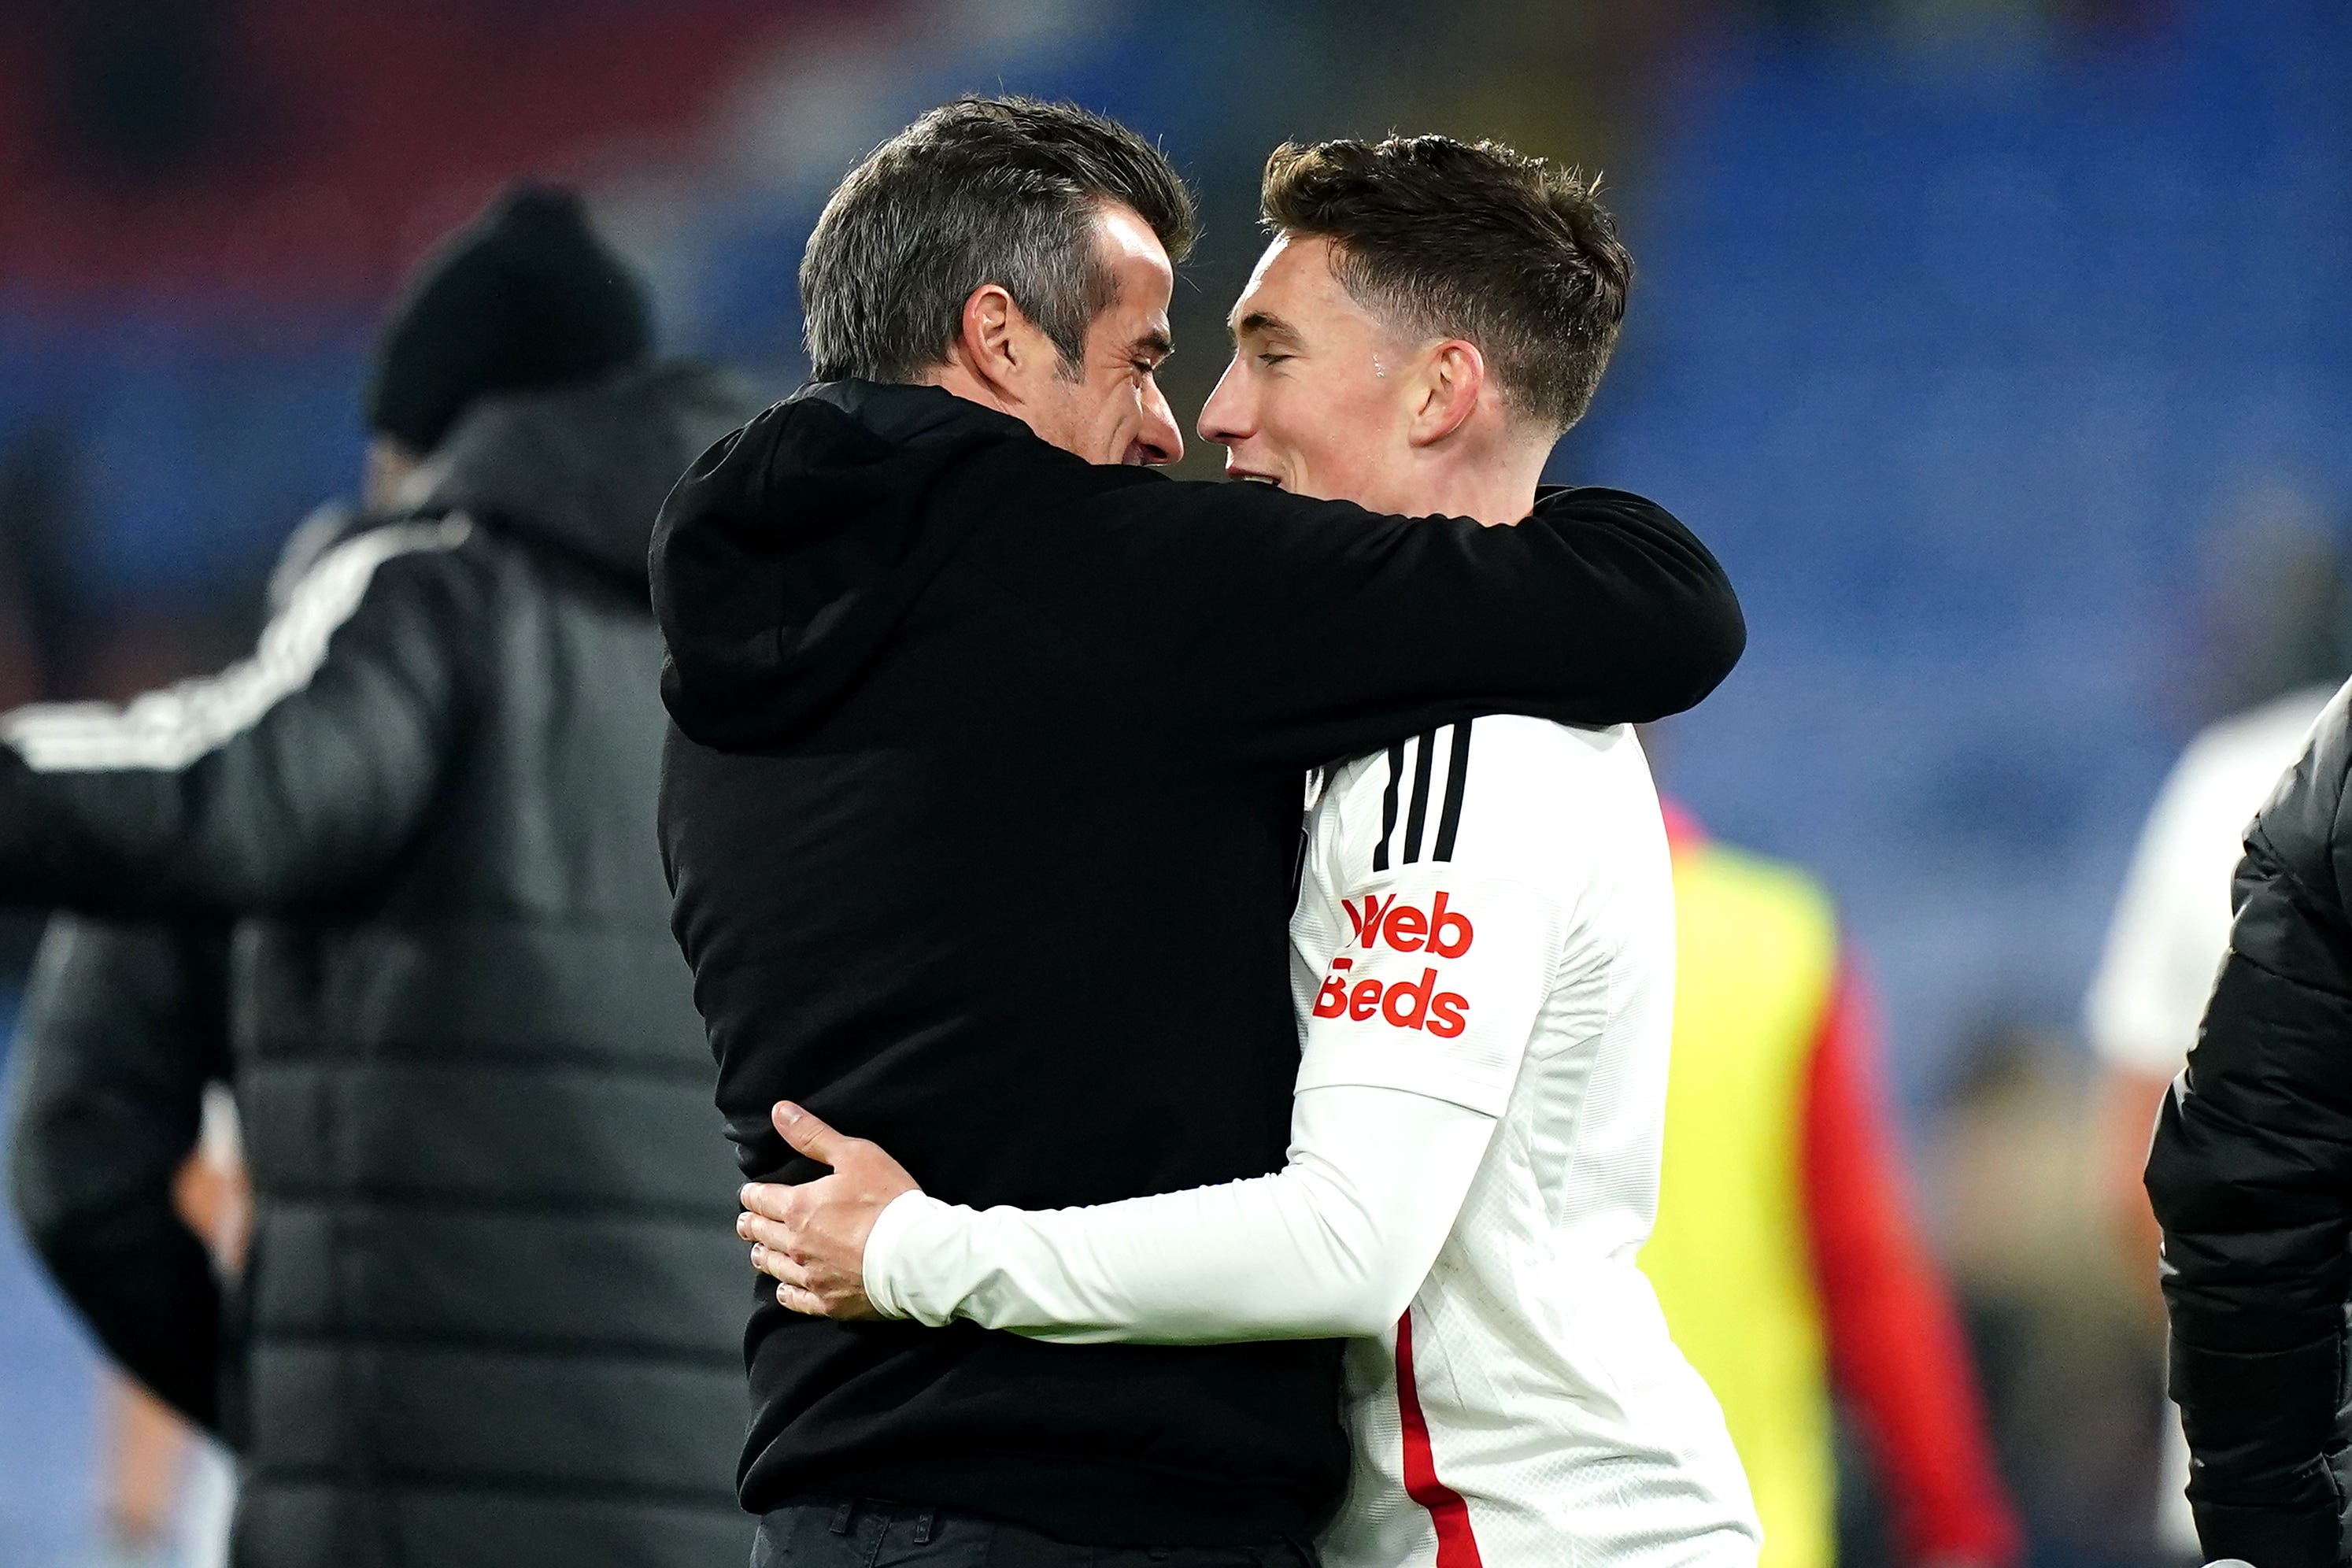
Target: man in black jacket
(2250,1174)
(492,1313)
(984,807)
(125,1029)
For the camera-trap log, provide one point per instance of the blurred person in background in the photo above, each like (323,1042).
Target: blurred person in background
(2250,1176)
(2014,1188)
(90,1093)
(421,809)
(124,1170)
(2280,622)
(1784,1254)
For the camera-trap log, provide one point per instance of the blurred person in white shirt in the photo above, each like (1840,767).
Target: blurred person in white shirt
(2279,623)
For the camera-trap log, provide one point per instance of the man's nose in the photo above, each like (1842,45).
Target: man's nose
(1223,421)
(1160,439)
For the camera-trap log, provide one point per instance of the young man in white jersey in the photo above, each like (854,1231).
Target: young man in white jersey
(1482,959)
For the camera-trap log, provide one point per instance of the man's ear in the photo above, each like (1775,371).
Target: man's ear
(996,344)
(984,335)
(1453,378)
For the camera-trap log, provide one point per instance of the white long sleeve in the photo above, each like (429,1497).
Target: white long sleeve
(1413,1039)
(1331,1246)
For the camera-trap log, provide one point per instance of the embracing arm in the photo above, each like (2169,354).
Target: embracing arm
(1334,1245)
(1409,1056)
(292,777)
(1292,631)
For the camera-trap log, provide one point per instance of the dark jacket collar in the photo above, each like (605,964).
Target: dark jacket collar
(898,412)
(789,552)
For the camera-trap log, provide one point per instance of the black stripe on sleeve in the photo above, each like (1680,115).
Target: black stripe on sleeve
(1457,773)
(1389,806)
(1422,746)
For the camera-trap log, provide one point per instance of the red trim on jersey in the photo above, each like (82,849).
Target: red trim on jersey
(1896,1350)
(1456,1547)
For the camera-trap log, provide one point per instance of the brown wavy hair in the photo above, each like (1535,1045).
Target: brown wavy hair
(1442,238)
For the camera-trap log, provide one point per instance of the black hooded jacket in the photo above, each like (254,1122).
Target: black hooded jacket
(982,813)
(494,1305)
(2251,1174)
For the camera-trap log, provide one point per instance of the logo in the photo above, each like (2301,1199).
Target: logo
(1438,931)
(1441,933)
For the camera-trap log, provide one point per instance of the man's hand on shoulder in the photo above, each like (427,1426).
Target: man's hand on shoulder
(812,1238)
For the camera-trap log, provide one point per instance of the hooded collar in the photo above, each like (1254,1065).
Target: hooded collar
(787,555)
(909,412)
(584,468)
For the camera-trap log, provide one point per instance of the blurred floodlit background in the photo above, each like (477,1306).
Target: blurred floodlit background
(2000,349)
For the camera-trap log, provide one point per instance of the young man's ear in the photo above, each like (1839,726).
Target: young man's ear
(1455,375)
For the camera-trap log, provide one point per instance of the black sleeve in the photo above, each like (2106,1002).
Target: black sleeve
(2249,1174)
(122,1029)
(292,779)
(1302,630)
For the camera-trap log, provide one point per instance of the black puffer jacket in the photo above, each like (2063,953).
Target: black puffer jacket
(494,1299)
(123,1029)
(2251,1178)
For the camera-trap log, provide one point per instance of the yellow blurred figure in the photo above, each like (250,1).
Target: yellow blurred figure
(1784,1255)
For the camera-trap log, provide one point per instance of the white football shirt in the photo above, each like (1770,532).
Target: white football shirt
(1483,966)
(1528,1407)
(2171,926)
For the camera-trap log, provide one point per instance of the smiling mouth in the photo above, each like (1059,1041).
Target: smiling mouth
(1247,478)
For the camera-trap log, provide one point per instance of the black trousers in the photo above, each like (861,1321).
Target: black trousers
(842,1533)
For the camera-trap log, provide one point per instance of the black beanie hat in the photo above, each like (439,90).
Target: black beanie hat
(524,296)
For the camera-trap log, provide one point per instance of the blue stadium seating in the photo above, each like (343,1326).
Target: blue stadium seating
(1955,353)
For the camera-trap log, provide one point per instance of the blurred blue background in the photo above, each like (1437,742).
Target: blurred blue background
(1997,348)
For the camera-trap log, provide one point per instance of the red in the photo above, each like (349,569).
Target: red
(1457,1546)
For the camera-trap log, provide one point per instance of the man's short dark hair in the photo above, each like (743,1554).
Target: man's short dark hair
(979,190)
(1445,239)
